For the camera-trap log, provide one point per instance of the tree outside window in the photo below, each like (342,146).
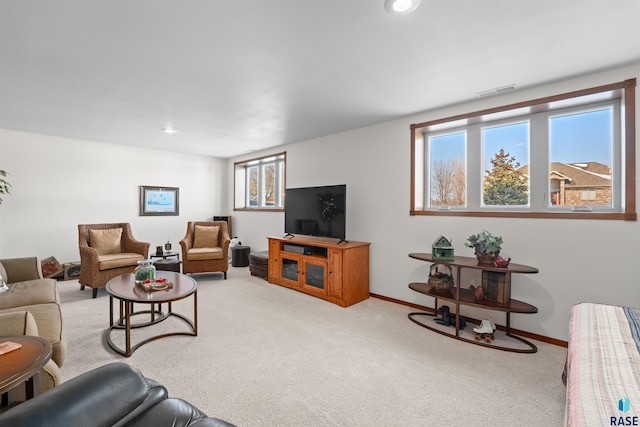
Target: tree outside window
(448,178)
(504,184)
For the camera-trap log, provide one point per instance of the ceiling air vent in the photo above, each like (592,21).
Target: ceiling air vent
(496,91)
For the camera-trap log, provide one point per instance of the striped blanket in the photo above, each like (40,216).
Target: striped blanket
(603,366)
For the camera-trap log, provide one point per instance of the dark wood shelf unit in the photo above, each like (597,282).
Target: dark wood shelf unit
(470,262)
(465,297)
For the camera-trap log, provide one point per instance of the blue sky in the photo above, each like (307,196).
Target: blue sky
(512,138)
(584,137)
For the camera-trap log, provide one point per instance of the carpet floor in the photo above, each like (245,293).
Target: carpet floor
(268,355)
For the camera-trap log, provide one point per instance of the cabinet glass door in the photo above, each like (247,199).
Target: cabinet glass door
(290,269)
(314,276)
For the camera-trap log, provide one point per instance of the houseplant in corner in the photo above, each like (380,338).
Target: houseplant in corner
(4,189)
(486,245)
(4,185)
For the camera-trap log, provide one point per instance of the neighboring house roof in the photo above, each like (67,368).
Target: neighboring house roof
(585,174)
(557,175)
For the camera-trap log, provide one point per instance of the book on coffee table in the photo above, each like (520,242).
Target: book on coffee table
(7,346)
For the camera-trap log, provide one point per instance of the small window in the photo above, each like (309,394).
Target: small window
(448,180)
(589,194)
(252,188)
(260,183)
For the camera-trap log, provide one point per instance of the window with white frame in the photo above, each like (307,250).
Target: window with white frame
(565,156)
(260,183)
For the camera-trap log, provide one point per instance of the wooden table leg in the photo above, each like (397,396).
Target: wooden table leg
(110,310)
(120,317)
(29,388)
(127,320)
(195,313)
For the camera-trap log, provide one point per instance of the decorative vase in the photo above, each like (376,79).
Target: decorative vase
(145,271)
(478,293)
(502,262)
(487,258)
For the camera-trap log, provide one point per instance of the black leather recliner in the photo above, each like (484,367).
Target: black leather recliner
(112,395)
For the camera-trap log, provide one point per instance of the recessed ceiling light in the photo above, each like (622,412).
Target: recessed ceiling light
(169,130)
(401,7)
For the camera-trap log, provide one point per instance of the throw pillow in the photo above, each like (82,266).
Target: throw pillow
(50,267)
(106,241)
(206,236)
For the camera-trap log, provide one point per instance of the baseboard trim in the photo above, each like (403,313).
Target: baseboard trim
(525,334)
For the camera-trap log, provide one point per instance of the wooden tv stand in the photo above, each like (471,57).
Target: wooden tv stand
(338,273)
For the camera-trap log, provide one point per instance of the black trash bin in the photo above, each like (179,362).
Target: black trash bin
(240,256)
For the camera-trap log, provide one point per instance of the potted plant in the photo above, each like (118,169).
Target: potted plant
(486,245)
(4,185)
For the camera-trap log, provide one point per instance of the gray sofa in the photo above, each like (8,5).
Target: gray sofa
(29,291)
(111,395)
(18,323)
(31,306)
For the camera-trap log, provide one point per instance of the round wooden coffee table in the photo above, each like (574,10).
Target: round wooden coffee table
(23,364)
(124,289)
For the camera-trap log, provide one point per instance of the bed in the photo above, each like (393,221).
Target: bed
(603,366)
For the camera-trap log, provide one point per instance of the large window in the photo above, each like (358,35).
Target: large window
(566,156)
(260,183)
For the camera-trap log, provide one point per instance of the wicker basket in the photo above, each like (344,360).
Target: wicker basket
(488,259)
(440,277)
(440,284)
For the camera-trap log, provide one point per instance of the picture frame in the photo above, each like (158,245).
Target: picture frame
(159,201)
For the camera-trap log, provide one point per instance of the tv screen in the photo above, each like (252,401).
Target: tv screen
(316,211)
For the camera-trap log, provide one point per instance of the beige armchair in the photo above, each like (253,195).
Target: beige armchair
(205,248)
(18,323)
(107,251)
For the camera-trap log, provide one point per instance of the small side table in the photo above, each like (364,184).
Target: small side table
(165,255)
(240,256)
(21,365)
(168,265)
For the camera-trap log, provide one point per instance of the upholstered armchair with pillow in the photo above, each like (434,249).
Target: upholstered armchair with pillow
(107,251)
(205,248)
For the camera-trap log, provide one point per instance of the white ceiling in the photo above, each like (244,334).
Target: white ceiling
(233,76)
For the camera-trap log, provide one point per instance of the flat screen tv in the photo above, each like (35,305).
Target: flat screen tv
(316,211)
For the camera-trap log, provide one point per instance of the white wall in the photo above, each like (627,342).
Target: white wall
(579,260)
(59,183)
